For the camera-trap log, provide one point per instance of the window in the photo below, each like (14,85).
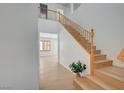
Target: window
(45,45)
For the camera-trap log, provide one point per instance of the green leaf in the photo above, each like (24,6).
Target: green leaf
(77,66)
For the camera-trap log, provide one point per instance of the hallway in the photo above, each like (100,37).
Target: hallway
(54,76)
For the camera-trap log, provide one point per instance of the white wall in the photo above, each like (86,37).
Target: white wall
(19,62)
(54,6)
(108,22)
(55,47)
(47,26)
(71,51)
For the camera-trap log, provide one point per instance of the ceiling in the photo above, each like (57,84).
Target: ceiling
(65,4)
(76,5)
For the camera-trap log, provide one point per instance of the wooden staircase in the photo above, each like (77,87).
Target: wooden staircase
(99,58)
(103,74)
(108,78)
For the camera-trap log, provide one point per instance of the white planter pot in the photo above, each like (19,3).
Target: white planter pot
(83,74)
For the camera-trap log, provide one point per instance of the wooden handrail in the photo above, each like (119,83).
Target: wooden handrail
(84,32)
(50,10)
(88,35)
(91,52)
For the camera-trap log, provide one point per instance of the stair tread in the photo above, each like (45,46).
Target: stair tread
(85,83)
(98,50)
(99,57)
(99,82)
(100,61)
(113,71)
(105,82)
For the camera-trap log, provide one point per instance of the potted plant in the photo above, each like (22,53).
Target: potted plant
(77,68)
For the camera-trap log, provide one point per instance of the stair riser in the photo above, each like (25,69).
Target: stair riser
(113,72)
(87,84)
(110,80)
(93,47)
(97,52)
(100,57)
(98,73)
(90,48)
(103,64)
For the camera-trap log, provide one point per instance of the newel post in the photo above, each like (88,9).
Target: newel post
(91,52)
(62,18)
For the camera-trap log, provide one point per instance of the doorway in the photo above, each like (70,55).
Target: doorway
(48,55)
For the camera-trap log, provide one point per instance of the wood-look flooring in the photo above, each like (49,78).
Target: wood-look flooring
(54,76)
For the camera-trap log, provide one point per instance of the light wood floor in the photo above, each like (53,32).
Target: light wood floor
(54,76)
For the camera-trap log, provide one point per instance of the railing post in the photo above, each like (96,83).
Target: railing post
(62,18)
(91,52)
(59,16)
